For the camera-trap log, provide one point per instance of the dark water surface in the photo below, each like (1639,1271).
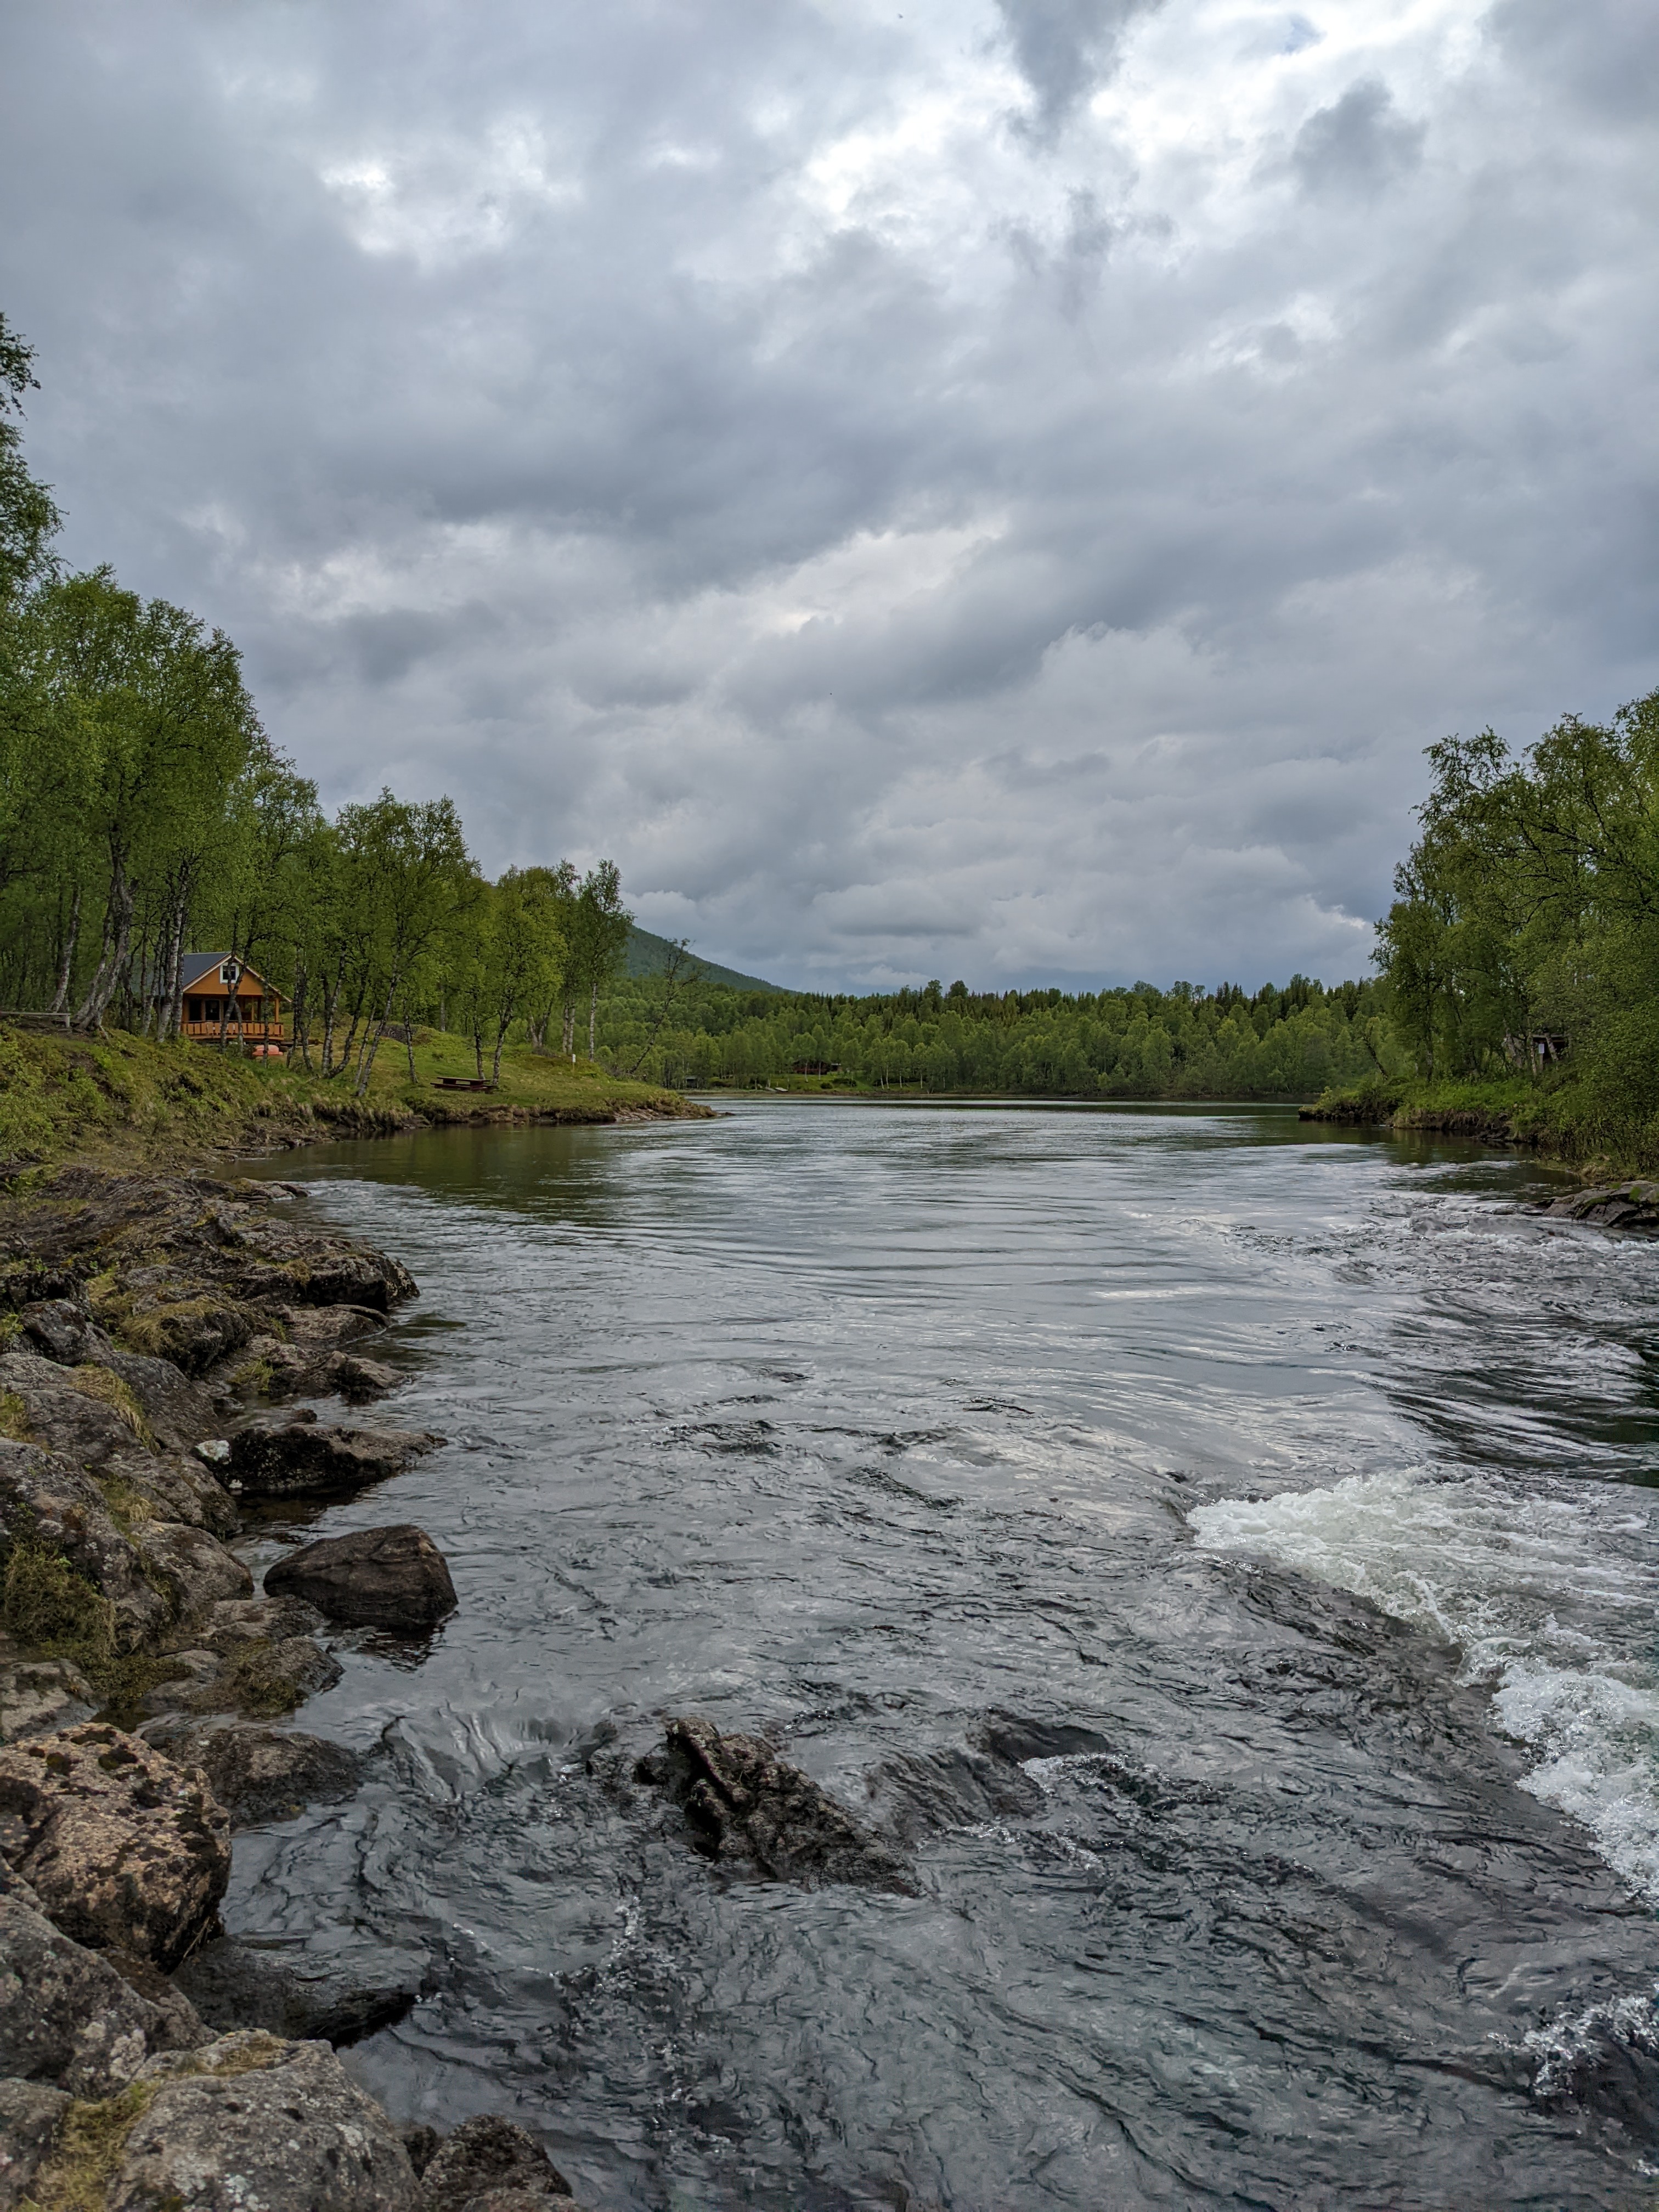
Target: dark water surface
(1301,1479)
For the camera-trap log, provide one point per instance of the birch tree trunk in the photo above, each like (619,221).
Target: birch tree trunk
(117,945)
(66,966)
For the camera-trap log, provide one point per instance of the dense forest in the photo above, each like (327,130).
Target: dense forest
(1184,1042)
(1524,935)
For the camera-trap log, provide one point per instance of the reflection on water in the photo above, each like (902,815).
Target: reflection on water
(1301,1472)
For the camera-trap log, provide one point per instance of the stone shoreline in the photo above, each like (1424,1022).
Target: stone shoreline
(150,1326)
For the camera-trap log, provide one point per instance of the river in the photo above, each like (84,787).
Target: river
(1280,1496)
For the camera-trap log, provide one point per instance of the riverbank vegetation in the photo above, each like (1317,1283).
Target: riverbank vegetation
(1520,960)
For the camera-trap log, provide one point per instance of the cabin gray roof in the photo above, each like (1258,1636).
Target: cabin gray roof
(193,967)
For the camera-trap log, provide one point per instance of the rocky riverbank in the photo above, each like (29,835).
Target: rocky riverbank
(150,1326)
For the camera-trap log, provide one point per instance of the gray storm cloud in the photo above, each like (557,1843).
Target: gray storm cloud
(1004,490)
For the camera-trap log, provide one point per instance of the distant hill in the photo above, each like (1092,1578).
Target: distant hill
(648,955)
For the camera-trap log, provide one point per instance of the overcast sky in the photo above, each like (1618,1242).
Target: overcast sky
(1002,489)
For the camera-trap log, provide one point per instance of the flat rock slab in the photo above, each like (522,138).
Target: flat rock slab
(68,2017)
(391,1578)
(296,1459)
(263,1680)
(233,1985)
(742,1801)
(266,1774)
(126,1851)
(38,1697)
(251,2120)
(1619,1205)
(484,2156)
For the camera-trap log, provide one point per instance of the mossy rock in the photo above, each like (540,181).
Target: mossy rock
(110,1389)
(86,2157)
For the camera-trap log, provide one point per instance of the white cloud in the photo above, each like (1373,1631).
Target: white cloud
(1006,490)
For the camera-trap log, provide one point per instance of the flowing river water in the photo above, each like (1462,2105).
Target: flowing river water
(1281,1499)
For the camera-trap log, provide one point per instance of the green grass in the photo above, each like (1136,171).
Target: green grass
(121,1099)
(1559,1117)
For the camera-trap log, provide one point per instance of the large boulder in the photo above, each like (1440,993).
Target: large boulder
(246,2123)
(311,1458)
(391,1578)
(233,1985)
(67,2016)
(38,1697)
(126,1851)
(742,1801)
(266,1774)
(485,2155)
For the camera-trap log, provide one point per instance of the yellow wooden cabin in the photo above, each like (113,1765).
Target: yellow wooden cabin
(224,997)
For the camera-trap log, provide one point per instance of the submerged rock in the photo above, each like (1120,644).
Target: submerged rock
(925,1792)
(266,1774)
(312,1458)
(126,1851)
(741,1799)
(67,2016)
(360,1380)
(391,1578)
(233,1985)
(486,2156)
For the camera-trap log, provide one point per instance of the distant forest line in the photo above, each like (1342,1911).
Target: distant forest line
(1142,1042)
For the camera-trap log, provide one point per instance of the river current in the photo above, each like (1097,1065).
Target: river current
(1281,1499)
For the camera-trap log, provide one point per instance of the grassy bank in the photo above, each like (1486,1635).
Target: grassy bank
(1561,1119)
(121,1097)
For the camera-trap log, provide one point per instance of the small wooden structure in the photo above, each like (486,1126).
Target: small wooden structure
(1542,1048)
(224,998)
(463,1083)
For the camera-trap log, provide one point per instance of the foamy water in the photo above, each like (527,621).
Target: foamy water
(1550,1591)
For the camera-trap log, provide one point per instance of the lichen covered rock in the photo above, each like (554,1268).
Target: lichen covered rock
(68,2017)
(251,2120)
(126,1851)
(30,2114)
